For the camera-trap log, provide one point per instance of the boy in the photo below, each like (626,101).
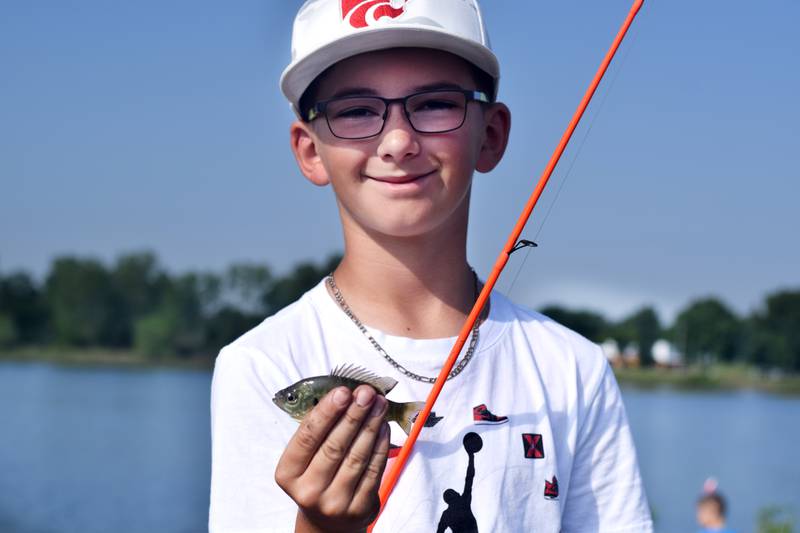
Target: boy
(396,106)
(711,513)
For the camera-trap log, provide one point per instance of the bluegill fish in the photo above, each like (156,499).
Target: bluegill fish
(301,397)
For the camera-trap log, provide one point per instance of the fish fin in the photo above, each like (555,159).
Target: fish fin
(386,384)
(383,384)
(408,413)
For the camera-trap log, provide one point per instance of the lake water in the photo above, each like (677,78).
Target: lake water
(127,451)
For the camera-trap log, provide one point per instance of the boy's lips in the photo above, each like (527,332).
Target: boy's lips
(397,180)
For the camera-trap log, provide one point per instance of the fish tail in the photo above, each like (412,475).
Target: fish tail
(405,413)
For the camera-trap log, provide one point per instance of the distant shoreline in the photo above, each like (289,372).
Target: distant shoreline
(712,378)
(717,377)
(104,357)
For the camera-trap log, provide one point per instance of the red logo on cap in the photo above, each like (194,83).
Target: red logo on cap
(363,13)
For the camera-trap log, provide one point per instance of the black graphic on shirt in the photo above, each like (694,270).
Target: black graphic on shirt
(430,422)
(458,515)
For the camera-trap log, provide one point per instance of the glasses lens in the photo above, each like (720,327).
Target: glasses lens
(437,111)
(352,118)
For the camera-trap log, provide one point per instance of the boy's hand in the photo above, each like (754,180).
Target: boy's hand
(333,464)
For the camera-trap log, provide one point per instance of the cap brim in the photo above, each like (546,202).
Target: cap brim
(298,76)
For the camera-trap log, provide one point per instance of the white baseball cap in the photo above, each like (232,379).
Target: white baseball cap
(328,31)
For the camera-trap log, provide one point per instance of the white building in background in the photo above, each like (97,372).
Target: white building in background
(666,354)
(631,356)
(611,350)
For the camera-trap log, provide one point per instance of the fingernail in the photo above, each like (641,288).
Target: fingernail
(384,430)
(379,407)
(364,396)
(341,397)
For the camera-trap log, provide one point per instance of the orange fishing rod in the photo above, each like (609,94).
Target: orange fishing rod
(513,243)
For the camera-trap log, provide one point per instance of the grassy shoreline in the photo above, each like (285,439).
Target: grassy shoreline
(716,377)
(104,357)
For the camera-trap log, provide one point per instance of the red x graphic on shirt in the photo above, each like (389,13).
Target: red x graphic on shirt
(532,444)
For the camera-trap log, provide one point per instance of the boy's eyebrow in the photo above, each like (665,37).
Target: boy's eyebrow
(366,91)
(437,85)
(355,91)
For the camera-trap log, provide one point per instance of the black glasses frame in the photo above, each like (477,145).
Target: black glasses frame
(319,109)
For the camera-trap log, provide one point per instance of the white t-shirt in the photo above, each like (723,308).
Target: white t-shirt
(563,460)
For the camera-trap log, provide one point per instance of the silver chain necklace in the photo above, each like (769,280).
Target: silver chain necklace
(337,294)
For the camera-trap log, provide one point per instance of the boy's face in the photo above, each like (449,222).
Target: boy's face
(708,514)
(401,182)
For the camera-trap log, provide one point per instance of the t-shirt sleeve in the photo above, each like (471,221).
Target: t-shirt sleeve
(248,436)
(606,492)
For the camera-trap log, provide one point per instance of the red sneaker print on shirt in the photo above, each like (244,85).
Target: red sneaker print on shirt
(551,489)
(482,415)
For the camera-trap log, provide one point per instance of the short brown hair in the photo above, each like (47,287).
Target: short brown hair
(714,498)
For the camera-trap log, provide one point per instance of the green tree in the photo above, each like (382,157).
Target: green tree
(247,285)
(82,302)
(775,520)
(239,304)
(140,285)
(226,325)
(289,288)
(642,327)
(178,325)
(588,323)
(8,332)
(773,334)
(707,328)
(154,333)
(22,302)
(761,347)
(196,297)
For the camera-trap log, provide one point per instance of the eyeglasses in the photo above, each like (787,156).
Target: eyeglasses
(360,117)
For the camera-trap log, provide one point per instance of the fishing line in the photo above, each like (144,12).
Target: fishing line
(563,181)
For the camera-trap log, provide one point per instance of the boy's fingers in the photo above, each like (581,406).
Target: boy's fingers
(361,450)
(332,450)
(316,425)
(366,493)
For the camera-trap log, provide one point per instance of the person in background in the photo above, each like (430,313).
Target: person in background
(711,509)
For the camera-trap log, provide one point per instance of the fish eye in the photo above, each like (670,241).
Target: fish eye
(291,398)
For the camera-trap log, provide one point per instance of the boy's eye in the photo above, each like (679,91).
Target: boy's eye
(355,108)
(356,112)
(438,104)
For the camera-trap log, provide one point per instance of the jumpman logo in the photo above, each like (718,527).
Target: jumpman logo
(458,515)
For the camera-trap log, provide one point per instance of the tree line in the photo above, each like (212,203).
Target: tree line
(134,303)
(705,331)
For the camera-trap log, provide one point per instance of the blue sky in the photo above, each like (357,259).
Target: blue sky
(159,125)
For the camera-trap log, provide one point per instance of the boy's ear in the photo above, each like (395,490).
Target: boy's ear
(497,120)
(305,152)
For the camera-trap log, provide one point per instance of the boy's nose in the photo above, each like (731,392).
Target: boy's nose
(398,139)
